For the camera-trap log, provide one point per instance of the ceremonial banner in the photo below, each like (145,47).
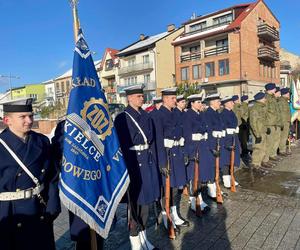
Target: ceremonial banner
(93,174)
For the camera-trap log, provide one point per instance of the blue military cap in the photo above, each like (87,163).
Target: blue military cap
(270,86)
(179,98)
(195,97)
(135,89)
(277,89)
(157,100)
(259,96)
(19,105)
(284,91)
(235,98)
(226,99)
(169,91)
(212,97)
(244,98)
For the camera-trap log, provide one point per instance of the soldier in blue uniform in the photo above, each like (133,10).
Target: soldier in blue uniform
(231,139)
(215,130)
(80,232)
(170,147)
(157,101)
(136,135)
(29,198)
(196,146)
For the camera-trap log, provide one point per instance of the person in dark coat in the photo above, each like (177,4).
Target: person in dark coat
(197,147)
(231,139)
(136,135)
(29,200)
(80,232)
(170,148)
(215,130)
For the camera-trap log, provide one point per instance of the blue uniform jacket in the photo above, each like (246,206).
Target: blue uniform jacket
(141,164)
(26,223)
(230,121)
(169,127)
(194,123)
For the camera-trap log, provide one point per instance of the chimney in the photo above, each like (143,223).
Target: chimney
(142,37)
(171,27)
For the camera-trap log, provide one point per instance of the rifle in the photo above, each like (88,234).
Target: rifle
(219,194)
(171,229)
(232,188)
(195,185)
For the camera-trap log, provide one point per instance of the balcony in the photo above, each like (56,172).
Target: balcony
(149,86)
(267,32)
(268,53)
(190,57)
(216,51)
(135,68)
(215,26)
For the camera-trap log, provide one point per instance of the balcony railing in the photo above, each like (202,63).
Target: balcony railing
(216,51)
(267,32)
(206,28)
(136,68)
(268,53)
(191,57)
(148,86)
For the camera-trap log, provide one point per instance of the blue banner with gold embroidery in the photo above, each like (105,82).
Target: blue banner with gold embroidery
(93,173)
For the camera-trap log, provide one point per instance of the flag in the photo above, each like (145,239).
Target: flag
(94,176)
(294,96)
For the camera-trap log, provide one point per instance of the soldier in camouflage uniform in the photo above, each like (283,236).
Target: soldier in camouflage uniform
(237,109)
(257,119)
(272,124)
(286,120)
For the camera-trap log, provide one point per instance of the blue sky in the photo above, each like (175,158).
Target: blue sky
(36,39)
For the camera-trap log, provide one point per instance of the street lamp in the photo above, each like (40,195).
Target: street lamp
(9,78)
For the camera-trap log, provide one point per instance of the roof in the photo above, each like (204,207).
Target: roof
(143,43)
(112,53)
(69,72)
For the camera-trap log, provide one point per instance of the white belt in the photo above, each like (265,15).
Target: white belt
(230,131)
(199,137)
(237,129)
(140,147)
(217,134)
(22,194)
(172,143)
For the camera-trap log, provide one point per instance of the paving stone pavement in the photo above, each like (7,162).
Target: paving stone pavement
(264,213)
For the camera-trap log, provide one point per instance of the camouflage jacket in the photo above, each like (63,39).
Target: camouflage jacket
(257,119)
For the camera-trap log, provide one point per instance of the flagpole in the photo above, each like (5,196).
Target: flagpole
(76,23)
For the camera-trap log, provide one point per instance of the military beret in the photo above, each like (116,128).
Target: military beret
(244,98)
(179,98)
(195,97)
(169,91)
(284,91)
(259,96)
(270,86)
(235,98)
(277,89)
(135,89)
(19,105)
(226,99)
(157,100)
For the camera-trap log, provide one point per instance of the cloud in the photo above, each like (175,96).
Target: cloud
(62,64)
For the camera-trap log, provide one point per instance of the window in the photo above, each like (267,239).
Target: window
(146,59)
(131,80)
(198,26)
(68,85)
(224,67)
(62,84)
(282,81)
(109,64)
(195,49)
(222,43)
(184,74)
(131,61)
(209,69)
(222,19)
(197,71)
(147,78)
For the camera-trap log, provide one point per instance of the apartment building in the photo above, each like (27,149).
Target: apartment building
(108,71)
(35,91)
(232,51)
(149,61)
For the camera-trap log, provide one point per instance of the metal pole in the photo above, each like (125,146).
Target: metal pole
(10,88)
(76,23)
(9,81)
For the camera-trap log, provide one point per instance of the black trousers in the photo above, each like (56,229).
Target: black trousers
(244,136)
(138,216)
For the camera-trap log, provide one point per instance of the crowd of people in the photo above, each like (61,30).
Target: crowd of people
(184,145)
